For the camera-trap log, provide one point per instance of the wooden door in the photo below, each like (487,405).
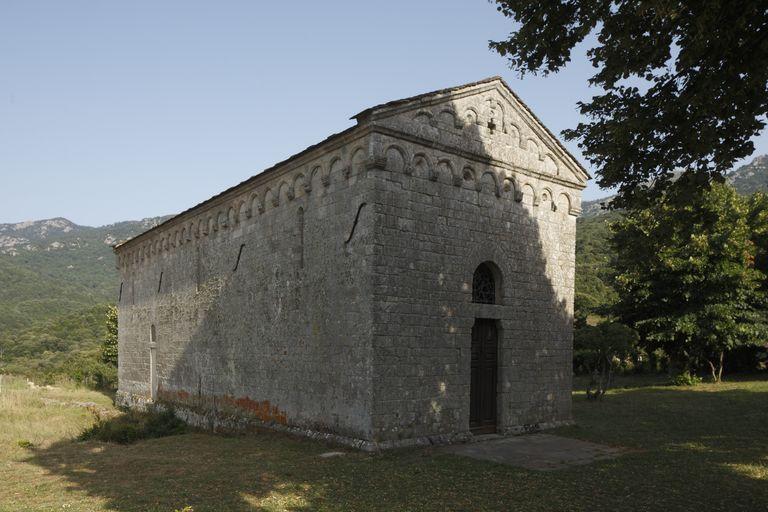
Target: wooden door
(482,389)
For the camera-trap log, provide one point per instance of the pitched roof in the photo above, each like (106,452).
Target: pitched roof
(418,97)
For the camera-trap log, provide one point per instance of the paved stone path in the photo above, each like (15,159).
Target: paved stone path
(543,452)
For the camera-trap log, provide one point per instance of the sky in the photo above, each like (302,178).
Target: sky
(114,111)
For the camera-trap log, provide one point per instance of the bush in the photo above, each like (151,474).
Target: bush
(90,372)
(133,426)
(686,378)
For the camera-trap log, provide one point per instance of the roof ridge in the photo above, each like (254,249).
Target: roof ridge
(446,90)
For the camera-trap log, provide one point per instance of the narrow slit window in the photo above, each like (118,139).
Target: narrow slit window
(198,272)
(300,228)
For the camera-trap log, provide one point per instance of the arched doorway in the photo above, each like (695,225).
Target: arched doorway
(484,360)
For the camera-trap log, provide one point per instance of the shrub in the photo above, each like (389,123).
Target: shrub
(133,426)
(686,378)
(89,371)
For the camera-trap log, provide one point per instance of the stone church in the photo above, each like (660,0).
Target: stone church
(406,281)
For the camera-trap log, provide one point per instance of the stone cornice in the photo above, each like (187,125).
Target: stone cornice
(483,159)
(272,174)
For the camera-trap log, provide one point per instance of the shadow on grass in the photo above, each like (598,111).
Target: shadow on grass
(701,449)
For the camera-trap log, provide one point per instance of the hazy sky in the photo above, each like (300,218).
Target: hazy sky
(114,110)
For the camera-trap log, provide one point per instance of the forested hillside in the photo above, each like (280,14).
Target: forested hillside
(54,267)
(56,279)
(48,346)
(593,269)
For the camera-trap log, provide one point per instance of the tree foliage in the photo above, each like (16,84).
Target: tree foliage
(109,345)
(682,84)
(69,346)
(686,274)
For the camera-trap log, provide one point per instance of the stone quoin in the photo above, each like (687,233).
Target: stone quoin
(406,281)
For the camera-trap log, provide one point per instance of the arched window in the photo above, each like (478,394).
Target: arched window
(484,285)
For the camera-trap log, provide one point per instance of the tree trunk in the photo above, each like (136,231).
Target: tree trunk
(593,388)
(720,367)
(717,369)
(609,373)
(712,370)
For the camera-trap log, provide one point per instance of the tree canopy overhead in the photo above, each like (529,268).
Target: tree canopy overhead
(682,85)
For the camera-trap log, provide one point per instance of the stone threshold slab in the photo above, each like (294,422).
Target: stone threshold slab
(541,452)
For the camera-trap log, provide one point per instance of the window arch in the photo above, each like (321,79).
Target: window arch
(485,284)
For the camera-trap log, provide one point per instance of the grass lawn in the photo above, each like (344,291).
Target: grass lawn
(703,448)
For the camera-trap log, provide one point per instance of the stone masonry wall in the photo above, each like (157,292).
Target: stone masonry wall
(263,310)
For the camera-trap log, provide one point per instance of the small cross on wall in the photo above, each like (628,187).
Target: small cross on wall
(491,126)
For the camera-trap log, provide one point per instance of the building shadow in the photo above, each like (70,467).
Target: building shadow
(694,450)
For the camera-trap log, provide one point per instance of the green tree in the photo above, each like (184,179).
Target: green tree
(682,85)
(758,224)
(686,275)
(598,347)
(109,346)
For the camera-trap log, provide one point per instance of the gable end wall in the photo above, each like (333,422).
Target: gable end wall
(439,215)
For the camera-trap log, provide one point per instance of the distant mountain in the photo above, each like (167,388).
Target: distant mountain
(752,177)
(595,207)
(53,267)
(747,179)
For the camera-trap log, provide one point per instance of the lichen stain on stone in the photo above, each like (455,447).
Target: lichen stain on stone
(262,410)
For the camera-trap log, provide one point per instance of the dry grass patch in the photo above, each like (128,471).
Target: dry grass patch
(693,449)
